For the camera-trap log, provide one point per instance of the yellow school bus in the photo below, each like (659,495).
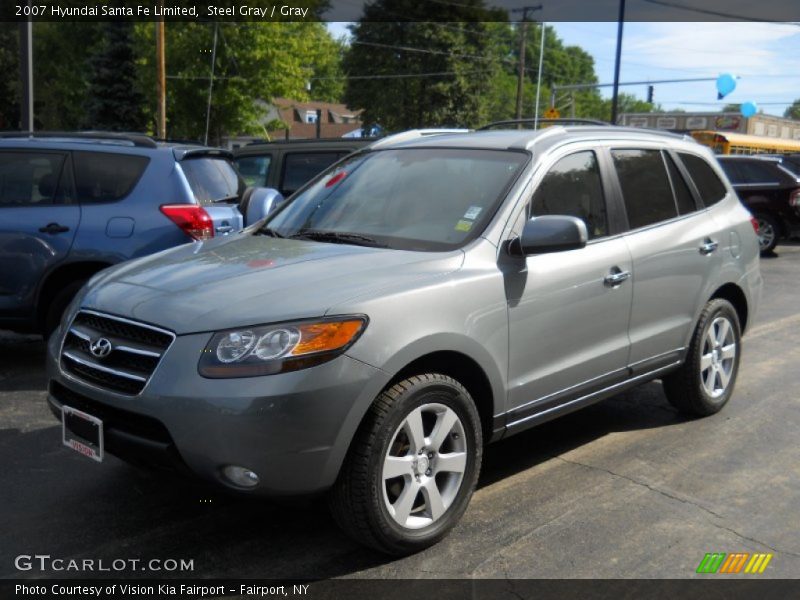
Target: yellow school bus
(739,143)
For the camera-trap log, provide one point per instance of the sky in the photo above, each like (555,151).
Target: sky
(764,56)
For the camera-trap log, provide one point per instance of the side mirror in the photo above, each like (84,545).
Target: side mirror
(549,233)
(258,202)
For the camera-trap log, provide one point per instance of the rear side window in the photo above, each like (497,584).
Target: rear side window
(212,179)
(755,171)
(101,177)
(683,197)
(29,178)
(300,167)
(573,187)
(711,189)
(254,169)
(645,186)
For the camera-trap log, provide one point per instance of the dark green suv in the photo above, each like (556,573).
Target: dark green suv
(287,165)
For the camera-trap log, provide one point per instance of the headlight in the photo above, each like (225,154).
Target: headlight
(269,349)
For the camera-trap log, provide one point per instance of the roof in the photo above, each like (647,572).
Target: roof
(520,139)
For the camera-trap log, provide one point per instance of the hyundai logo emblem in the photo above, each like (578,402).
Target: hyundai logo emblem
(100,347)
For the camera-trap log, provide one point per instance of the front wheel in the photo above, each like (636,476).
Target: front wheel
(704,383)
(412,466)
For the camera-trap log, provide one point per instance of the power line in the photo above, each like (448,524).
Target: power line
(714,13)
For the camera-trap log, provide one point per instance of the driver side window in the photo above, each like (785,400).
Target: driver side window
(573,187)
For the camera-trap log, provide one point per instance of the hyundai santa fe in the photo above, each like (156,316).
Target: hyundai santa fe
(419,299)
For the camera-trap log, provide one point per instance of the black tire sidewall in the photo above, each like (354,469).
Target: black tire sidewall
(55,310)
(439,391)
(720,308)
(773,222)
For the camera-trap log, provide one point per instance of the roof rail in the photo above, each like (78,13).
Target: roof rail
(413,134)
(136,139)
(499,124)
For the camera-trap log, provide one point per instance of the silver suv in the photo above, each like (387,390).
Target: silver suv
(419,299)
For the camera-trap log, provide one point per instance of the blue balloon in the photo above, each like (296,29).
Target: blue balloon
(748,109)
(726,83)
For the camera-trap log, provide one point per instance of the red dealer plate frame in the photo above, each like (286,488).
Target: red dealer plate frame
(82,432)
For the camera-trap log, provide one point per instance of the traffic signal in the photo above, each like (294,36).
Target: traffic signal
(650,89)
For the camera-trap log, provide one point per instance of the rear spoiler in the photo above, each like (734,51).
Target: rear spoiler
(184,152)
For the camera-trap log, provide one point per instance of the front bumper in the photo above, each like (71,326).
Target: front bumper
(292,429)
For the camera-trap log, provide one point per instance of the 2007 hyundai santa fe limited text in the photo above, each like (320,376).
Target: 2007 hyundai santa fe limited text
(419,299)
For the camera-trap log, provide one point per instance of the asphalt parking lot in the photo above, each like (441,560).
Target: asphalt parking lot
(624,489)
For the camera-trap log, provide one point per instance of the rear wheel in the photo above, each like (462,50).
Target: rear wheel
(55,310)
(412,467)
(704,383)
(768,233)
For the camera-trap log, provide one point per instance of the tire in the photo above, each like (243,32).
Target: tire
(768,232)
(705,381)
(57,306)
(416,508)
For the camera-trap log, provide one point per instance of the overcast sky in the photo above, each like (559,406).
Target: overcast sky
(766,57)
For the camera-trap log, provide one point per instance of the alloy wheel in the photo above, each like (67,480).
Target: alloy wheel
(766,234)
(718,357)
(423,469)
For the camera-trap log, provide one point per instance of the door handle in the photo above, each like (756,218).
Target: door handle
(616,276)
(708,246)
(54,228)
(224,229)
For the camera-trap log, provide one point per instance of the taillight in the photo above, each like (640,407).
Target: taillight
(192,219)
(754,223)
(794,199)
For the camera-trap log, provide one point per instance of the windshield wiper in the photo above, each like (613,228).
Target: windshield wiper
(226,199)
(269,232)
(338,237)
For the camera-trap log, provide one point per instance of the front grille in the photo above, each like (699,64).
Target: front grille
(128,422)
(135,351)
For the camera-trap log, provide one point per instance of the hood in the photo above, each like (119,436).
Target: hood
(249,280)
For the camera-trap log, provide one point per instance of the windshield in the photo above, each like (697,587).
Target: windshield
(410,199)
(213,179)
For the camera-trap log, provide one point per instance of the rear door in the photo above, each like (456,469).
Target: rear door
(675,249)
(218,188)
(38,219)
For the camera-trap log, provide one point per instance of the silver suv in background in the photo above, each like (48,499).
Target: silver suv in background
(423,297)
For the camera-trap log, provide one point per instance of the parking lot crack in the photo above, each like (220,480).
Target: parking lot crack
(679,499)
(642,484)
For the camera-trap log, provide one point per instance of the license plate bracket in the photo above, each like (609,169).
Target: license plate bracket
(82,432)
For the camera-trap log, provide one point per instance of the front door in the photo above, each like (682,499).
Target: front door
(568,311)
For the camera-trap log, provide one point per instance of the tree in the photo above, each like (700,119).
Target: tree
(114,101)
(9,85)
(793,111)
(731,108)
(421,74)
(255,62)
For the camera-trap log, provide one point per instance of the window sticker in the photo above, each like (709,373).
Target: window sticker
(463,225)
(473,212)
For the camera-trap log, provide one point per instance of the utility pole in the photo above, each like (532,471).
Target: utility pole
(523,27)
(539,78)
(211,81)
(26,73)
(615,96)
(161,81)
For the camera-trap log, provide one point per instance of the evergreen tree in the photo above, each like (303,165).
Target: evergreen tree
(421,74)
(114,101)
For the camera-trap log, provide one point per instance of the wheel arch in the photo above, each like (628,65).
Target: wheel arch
(734,294)
(61,276)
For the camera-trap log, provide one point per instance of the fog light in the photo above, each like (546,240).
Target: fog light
(240,476)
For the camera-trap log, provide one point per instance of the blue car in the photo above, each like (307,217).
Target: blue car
(74,204)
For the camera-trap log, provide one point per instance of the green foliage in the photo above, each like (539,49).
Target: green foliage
(255,62)
(9,85)
(113,99)
(403,55)
(793,111)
